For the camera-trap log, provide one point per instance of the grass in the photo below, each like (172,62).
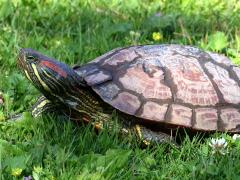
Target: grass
(77,32)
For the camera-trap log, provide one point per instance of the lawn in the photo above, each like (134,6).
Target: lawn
(76,32)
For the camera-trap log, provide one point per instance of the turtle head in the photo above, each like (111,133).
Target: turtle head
(52,78)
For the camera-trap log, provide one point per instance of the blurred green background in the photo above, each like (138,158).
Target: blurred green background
(76,32)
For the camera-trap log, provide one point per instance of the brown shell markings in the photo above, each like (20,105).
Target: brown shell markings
(173,84)
(191,81)
(150,86)
(223,81)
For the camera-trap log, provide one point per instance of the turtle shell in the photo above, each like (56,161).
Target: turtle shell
(172,84)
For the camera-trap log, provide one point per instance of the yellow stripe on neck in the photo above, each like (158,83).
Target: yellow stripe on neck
(28,75)
(39,78)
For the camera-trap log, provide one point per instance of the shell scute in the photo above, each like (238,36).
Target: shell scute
(86,70)
(98,77)
(148,85)
(220,59)
(127,103)
(93,74)
(223,81)
(230,118)
(237,71)
(124,56)
(154,111)
(108,91)
(192,84)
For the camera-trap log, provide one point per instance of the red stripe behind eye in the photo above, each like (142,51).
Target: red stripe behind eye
(55,68)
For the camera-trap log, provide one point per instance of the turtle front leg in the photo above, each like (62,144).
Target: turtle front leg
(45,106)
(42,106)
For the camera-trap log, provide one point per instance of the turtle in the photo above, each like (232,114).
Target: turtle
(153,89)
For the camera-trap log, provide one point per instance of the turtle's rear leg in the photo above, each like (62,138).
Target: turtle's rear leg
(147,136)
(127,127)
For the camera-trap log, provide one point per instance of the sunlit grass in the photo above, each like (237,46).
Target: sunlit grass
(76,32)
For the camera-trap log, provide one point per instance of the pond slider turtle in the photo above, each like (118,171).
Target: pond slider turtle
(151,87)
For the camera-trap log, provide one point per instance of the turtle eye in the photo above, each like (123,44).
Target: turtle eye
(31,58)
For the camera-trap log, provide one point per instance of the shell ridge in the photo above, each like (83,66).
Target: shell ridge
(114,51)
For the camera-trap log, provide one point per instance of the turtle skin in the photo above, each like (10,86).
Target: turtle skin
(174,85)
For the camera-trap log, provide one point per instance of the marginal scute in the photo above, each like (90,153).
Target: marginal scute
(193,85)
(228,87)
(86,70)
(154,111)
(206,118)
(219,58)
(126,102)
(107,90)
(98,78)
(230,118)
(180,115)
(141,82)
